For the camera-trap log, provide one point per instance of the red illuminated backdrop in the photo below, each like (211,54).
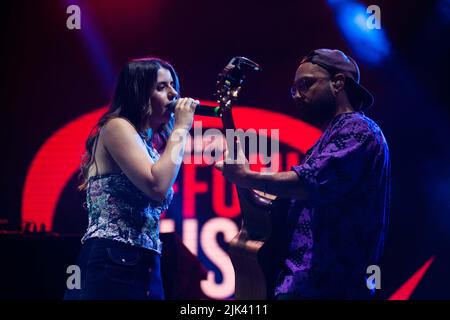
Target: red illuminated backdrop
(59,158)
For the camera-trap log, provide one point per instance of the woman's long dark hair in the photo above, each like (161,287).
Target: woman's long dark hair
(131,100)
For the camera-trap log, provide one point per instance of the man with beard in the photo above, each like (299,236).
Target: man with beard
(340,191)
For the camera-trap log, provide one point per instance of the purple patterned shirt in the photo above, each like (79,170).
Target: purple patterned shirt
(339,230)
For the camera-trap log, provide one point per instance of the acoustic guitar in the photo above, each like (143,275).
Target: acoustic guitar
(258,250)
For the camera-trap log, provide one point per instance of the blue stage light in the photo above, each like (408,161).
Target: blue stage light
(368,44)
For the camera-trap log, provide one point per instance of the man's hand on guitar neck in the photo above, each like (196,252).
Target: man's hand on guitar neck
(235,168)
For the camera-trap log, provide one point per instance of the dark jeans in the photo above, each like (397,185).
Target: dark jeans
(112,270)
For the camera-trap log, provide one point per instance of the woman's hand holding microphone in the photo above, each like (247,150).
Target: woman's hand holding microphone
(184,113)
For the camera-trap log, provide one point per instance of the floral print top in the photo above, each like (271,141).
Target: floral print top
(119,211)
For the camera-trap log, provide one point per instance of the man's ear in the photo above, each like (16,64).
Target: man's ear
(338,82)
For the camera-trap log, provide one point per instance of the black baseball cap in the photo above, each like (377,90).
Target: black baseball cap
(336,61)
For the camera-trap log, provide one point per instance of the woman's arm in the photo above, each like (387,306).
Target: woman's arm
(127,149)
(129,152)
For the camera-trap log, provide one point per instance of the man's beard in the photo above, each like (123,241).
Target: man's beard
(317,114)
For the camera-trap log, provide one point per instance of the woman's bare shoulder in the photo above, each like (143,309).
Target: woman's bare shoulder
(119,124)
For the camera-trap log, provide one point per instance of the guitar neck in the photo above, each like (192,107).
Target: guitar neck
(228,123)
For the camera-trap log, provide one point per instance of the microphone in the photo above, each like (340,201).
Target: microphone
(201,110)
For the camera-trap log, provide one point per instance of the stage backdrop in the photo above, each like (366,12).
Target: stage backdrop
(58,76)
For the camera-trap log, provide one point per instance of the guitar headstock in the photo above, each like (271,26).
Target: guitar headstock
(230,80)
